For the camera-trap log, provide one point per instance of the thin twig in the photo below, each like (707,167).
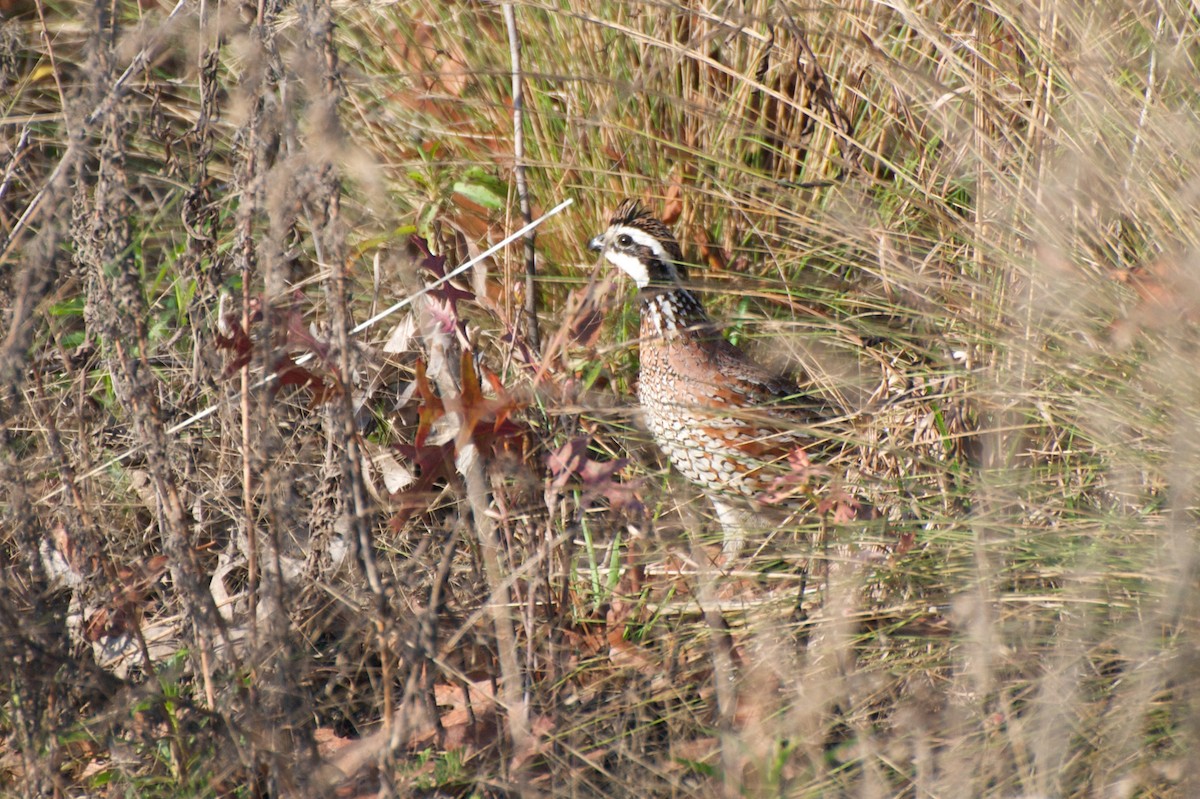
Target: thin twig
(518,102)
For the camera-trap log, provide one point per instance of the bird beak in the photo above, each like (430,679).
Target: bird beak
(596,244)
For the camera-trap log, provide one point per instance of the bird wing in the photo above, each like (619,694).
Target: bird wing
(746,383)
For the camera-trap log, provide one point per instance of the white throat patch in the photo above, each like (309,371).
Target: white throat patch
(629,265)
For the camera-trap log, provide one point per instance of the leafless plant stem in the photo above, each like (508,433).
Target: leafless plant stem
(518,104)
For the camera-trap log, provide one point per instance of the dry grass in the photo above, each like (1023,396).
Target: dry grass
(435,561)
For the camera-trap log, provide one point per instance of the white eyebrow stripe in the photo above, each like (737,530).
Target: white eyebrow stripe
(643,238)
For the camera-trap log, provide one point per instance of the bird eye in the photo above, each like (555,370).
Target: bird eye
(624,240)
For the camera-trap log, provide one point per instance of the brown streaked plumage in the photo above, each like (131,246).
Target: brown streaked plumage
(721,419)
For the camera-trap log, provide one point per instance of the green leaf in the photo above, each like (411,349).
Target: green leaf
(482,189)
(68,307)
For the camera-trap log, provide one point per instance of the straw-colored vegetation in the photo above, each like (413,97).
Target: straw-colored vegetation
(440,556)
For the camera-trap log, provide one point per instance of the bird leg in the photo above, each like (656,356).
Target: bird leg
(736,522)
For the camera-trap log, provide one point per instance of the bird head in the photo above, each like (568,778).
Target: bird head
(639,244)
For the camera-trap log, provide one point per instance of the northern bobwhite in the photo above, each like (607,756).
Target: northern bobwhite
(721,419)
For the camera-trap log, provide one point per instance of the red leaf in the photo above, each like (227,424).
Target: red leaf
(564,462)
(597,478)
(432,463)
(447,294)
(294,333)
(485,422)
(431,408)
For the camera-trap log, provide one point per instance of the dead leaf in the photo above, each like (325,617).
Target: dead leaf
(672,204)
(401,339)
(711,253)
